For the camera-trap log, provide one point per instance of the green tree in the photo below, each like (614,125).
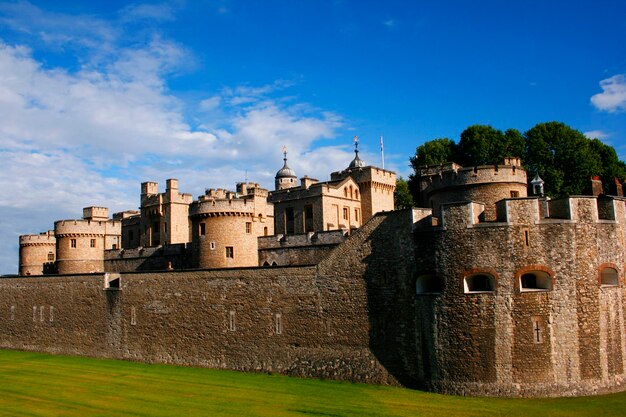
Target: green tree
(611,166)
(402,197)
(563,157)
(479,145)
(436,151)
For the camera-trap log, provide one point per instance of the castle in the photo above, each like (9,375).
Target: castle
(484,290)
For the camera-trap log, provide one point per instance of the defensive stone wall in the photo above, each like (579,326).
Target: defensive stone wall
(526,306)
(284,320)
(160,258)
(442,184)
(303,249)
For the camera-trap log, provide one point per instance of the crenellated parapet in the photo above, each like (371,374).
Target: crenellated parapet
(225,226)
(446,183)
(81,243)
(36,251)
(528,304)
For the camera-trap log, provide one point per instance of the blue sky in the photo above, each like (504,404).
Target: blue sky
(97,97)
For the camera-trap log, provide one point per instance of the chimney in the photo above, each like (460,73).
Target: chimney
(596,186)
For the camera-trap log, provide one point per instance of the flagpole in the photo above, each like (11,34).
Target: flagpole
(382,151)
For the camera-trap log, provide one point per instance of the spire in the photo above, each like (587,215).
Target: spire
(356,162)
(285,177)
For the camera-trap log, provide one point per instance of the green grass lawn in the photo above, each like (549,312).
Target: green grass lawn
(33,384)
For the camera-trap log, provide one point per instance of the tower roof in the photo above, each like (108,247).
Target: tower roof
(285,171)
(356,162)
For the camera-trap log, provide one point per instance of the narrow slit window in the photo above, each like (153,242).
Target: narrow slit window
(73,243)
(232,325)
(278,323)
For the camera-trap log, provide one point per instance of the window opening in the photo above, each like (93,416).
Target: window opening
(609,277)
(248,227)
(428,284)
(535,281)
(230,252)
(72,243)
(479,283)
(50,256)
(92,243)
(202,229)
(289,221)
(231,321)
(278,323)
(514,194)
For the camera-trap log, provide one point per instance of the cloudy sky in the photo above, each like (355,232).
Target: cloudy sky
(96,97)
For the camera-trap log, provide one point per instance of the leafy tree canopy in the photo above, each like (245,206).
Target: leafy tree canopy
(402,197)
(562,156)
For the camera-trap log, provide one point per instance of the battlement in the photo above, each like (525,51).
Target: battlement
(126,214)
(149,188)
(331,237)
(366,174)
(87,227)
(96,213)
(535,210)
(45,238)
(437,177)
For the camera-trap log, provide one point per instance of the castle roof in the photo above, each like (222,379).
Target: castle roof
(356,162)
(285,171)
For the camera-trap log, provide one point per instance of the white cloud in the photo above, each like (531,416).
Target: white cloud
(613,96)
(74,138)
(158,12)
(596,134)
(389,23)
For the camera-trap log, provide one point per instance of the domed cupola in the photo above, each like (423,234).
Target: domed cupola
(285,177)
(356,162)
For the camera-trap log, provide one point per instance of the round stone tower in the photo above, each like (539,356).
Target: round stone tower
(447,183)
(225,226)
(35,252)
(285,177)
(81,243)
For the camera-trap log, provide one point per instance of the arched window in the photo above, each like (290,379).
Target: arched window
(345,192)
(609,277)
(428,284)
(479,283)
(535,281)
(356,194)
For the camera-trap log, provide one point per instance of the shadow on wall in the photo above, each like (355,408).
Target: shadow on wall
(389,276)
(159,258)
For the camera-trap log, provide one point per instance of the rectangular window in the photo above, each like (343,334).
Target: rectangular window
(34,313)
(308,219)
(231,321)
(51,313)
(92,243)
(230,252)
(50,256)
(72,243)
(42,313)
(514,194)
(345,213)
(202,229)
(133,316)
(12,312)
(248,227)
(356,215)
(289,221)
(278,323)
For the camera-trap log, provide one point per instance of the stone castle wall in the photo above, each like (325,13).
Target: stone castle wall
(567,339)
(393,304)
(442,184)
(303,249)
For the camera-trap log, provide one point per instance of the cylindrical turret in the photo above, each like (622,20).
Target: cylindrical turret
(225,228)
(81,244)
(35,252)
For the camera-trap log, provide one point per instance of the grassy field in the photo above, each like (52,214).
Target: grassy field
(33,384)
